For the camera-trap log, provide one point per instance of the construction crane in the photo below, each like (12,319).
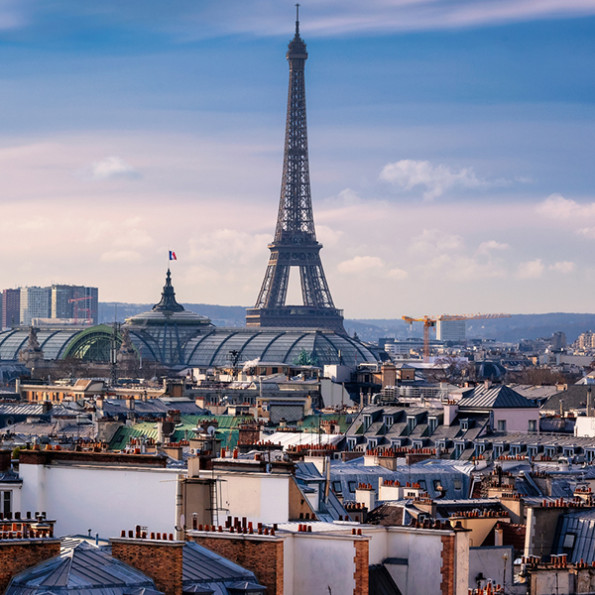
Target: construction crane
(430,322)
(77,308)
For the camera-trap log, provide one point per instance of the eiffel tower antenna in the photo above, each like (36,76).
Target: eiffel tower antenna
(295,244)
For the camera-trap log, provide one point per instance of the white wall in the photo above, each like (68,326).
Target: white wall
(103,499)
(261,497)
(333,394)
(495,563)
(585,426)
(424,552)
(320,562)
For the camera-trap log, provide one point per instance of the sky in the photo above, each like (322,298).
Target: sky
(451,148)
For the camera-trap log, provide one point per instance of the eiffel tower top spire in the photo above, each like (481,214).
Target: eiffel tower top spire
(294,244)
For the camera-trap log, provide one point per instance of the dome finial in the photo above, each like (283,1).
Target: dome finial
(168,301)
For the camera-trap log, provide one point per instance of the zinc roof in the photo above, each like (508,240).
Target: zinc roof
(77,570)
(499,396)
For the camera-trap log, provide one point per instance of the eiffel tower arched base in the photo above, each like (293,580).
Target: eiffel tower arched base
(297,317)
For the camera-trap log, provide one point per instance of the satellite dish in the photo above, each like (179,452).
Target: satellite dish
(211,430)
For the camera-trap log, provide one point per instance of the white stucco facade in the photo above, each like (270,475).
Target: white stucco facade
(105,499)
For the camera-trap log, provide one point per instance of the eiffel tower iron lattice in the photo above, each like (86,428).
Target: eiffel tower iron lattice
(295,244)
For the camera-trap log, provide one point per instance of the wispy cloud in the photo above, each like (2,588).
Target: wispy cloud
(434,180)
(194,20)
(531,269)
(565,267)
(361,264)
(112,167)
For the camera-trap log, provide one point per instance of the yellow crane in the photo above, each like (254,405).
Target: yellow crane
(430,321)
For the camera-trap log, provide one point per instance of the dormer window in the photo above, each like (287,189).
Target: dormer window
(411,423)
(367,421)
(432,424)
(464,425)
(388,420)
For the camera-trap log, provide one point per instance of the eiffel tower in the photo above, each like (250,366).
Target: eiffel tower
(294,244)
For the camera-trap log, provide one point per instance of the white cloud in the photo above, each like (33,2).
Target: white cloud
(557,207)
(587,232)
(397,274)
(340,17)
(328,236)
(531,269)
(360,264)
(486,248)
(344,198)
(565,267)
(435,241)
(112,167)
(408,174)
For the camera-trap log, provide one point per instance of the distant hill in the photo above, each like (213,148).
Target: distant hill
(513,329)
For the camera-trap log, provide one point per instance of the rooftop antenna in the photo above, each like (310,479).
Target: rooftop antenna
(297,19)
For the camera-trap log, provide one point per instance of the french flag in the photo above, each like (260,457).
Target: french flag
(172,255)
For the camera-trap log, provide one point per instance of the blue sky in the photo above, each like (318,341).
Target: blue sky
(451,147)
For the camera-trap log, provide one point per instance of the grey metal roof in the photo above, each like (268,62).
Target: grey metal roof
(498,396)
(80,569)
(575,536)
(453,476)
(574,397)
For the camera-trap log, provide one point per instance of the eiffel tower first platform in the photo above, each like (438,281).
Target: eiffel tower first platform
(295,244)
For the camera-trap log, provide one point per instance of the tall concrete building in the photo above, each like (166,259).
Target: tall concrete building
(11,307)
(451,330)
(35,303)
(74,302)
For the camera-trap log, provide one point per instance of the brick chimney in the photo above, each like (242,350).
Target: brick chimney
(5,460)
(159,560)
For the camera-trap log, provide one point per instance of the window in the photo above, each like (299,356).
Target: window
(532,425)
(388,420)
(501,425)
(458,484)
(432,424)
(337,487)
(351,485)
(6,503)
